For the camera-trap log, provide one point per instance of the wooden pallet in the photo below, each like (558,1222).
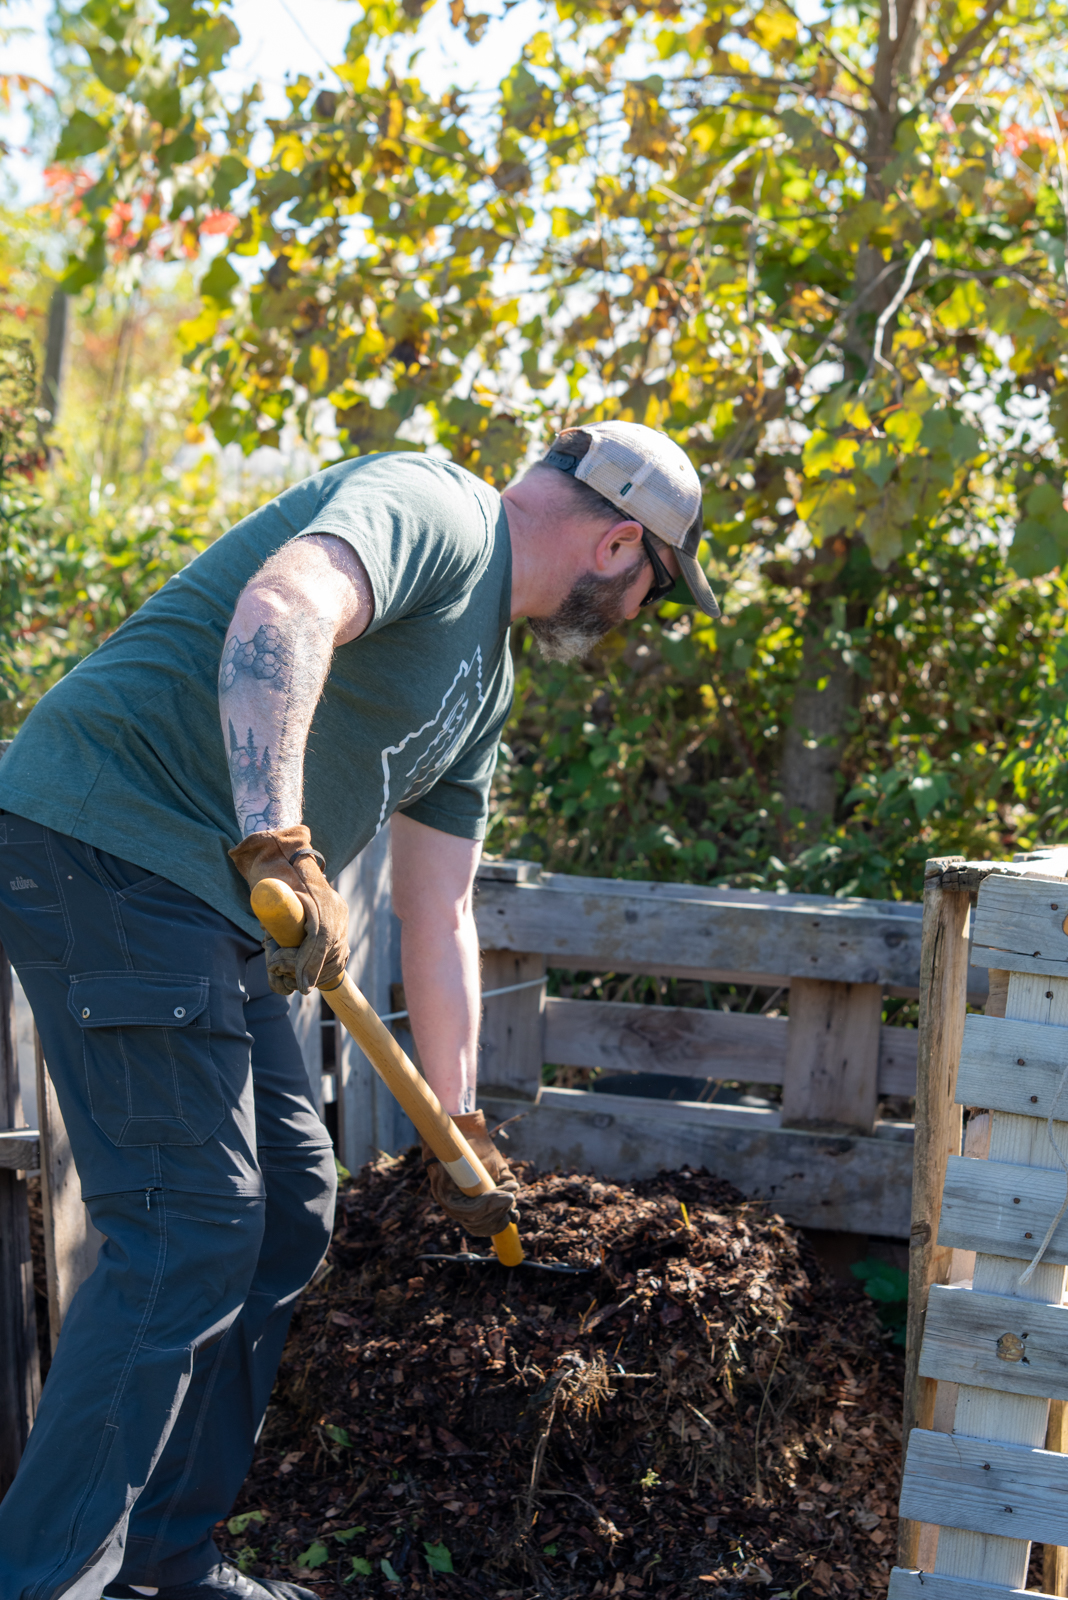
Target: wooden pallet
(988,1486)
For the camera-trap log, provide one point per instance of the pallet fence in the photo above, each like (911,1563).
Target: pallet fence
(987,1358)
(822,1158)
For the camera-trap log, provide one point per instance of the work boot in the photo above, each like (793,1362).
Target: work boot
(223,1582)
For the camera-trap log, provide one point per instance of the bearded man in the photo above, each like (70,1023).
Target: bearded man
(339,658)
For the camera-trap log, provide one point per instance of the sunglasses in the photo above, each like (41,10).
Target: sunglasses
(663,582)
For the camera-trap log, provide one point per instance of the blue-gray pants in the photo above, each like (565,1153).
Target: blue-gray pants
(208,1171)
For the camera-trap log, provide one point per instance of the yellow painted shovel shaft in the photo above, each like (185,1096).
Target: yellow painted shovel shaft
(282,914)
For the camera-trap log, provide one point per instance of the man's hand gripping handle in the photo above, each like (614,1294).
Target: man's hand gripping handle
(282,915)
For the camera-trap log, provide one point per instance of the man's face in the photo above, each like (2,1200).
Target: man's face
(593,607)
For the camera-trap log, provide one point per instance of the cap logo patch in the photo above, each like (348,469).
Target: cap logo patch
(627,487)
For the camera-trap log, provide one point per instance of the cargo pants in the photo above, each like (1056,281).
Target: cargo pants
(207,1170)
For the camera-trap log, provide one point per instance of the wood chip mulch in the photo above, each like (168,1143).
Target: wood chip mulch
(704,1413)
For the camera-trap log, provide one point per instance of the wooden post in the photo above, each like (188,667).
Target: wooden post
(71,1241)
(20,1373)
(830,1076)
(943,1004)
(511,1048)
(369,1119)
(1055,1556)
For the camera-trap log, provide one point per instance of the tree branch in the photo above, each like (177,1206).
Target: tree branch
(963,49)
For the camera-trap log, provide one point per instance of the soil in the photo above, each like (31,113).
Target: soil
(702,1413)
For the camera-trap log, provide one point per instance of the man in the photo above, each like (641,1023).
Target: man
(351,638)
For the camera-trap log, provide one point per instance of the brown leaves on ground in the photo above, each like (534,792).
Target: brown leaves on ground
(703,1413)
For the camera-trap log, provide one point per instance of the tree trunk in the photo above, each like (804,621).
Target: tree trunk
(55,353)
(812,748)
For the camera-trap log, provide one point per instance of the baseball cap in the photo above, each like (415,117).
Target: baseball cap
(648,477)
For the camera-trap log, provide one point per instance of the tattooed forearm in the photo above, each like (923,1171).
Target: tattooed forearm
(310,597)
(268,688)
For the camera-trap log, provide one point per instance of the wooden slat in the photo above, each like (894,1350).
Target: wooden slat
(71,1240)
(20,1372)
(19,1150)
(815,1180)
(1013,1066)
(1003,1209)
(511,1039)
(1019,925)
(996,1342)
(587,922)
(1055,1556)
(698,1112)
(937,1586)
(832,1055)
(988,1413)
(1001,1490)
(943,986)
(620,1037)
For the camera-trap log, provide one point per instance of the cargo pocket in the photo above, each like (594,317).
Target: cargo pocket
(149,1070)
(35,924)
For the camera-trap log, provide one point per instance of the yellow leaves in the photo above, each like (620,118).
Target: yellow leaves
(827,452)
(652,132)
(928,194)
(905,427)
(319,363)
(771,25)
(828,507)
(539,50)
(965,308)
(391,121)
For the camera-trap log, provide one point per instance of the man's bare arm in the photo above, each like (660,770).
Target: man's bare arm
(310,597)
(433,895)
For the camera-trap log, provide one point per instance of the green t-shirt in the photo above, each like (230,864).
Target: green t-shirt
(126,753)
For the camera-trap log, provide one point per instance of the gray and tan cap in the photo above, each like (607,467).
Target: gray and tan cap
(647,476)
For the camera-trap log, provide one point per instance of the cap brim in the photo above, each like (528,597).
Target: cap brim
(697,583)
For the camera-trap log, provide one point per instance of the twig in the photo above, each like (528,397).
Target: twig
(877,357)
(949,67)
(847,316)
(759,1420)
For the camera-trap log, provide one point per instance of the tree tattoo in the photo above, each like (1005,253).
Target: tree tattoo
(253,672)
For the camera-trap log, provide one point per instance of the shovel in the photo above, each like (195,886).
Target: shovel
(282,914)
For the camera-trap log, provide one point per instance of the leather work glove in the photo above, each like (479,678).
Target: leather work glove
(481,1214)
(287,853)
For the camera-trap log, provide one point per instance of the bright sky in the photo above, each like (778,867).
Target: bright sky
(280,38)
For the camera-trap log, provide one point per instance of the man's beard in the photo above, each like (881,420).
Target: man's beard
(593,608)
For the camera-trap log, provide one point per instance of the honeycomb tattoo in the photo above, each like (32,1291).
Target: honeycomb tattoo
(264,656)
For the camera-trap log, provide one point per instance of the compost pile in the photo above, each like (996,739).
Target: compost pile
(701,1413)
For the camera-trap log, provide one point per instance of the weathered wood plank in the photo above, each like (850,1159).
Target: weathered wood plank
(996,1342)
(726,932)
(832,1055)
(1008,1065)
(980,1486)
(511,1040)
(1003,1209)
(938,1586)
(20,1373)
(20,1150)
(988,1413)
(1019,925)
(617,1036)
(816,1180)
(700,1112)
(71,1240)
(943,984)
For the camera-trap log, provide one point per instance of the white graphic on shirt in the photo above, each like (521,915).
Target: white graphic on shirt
(415,765)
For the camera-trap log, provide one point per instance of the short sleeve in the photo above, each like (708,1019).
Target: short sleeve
(459,802)
(418,526)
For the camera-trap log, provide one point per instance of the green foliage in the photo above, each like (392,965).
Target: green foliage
(244,1520)
(888,1286)
(438,1557)
(361,1568)
(316,1555)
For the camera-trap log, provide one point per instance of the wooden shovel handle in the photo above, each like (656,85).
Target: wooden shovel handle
(282,914)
